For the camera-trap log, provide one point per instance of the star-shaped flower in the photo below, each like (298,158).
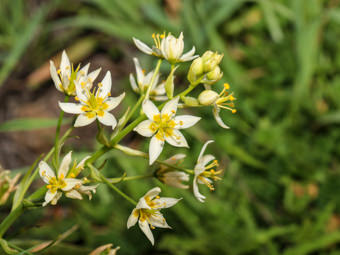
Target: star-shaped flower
(164,126)
(65,77)
(94,105)
(147,212)
(157,92)
(168,47)
(204,172)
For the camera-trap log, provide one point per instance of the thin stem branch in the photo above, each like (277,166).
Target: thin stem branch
(159,62)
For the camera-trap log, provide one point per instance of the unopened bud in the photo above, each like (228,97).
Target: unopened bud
(214,76)
(196,70)
(211,60)
(207,97)
(190,101)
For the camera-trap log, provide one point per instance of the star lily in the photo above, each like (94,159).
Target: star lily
(204,172)
(224,100)
(94,105)
(164,126)
(143,82)
(169,176)
(56,184)
(147,212)
(65,77)
(168,47)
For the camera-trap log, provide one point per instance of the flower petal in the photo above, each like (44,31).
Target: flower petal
(144,226)
(185,121)
(203,149)
(64,166)
(93,75)
(142,46)
(157,220)
(150,109)
(216,113)
(152,193)
(82,92)
(56,198)
(144,129)
(82,163)
(70,183)
(189,55)
(65,65)
(139,71)
(206,159)
(133,218)
(166,202)
(133,83)
(175,158)
(108,119)
(113,102)
(159,90)
(49,196)
(73,194)
(105,88)
(170,107)
(45,172)
(83,71)
(55,77)
(177,139)
(83,120)
(197,194)
(71,108)
(155,148)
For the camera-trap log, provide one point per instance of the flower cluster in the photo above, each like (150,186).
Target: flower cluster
(158,121)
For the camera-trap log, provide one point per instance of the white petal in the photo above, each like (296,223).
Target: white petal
(133,218)
(175,158)
(206,159)
(189,55)
(150,109)
(203,149)
(144,226)
(70,183)
(46,173)
(55,77)
(170,107)
(155,149)
(143,128)
(157,220)
(216,113)
(83,120)
(166,202)
(139,71)
(82,163)
(56,198)
(83,71)
(177,139)
(113,102)
(105,89)
(93,75)
(82,92)
(185,121)
(73,194)
(48,197)
(142,46)
(197,194)
(65,65)
(152,193)
(108,119)
(133,83)
(64,166)
(71,108)
(160,89)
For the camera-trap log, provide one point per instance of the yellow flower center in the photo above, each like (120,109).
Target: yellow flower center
(164,125)
(211,173)
(55,184)
(226,99)
(94,106)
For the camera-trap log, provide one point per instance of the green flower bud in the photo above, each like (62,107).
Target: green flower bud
(211,60)
(214,75)
(190,101)
(208,97)
(196,70)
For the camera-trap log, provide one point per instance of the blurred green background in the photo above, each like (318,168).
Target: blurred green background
(280,190)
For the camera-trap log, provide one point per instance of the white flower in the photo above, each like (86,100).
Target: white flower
(224,100)
(168,47)
(143,82)
(147,212)
(164,126)
(57,183)
(65,77)
(169,176)
(203,171)
(94,105)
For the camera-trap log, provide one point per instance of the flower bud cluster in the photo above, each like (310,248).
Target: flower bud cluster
(206,68)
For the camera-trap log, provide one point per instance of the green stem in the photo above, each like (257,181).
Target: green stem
(129,178)
(56,141)
(135,107)
(8,221)
(159,62)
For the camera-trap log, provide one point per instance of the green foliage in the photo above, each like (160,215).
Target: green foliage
(279,194)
